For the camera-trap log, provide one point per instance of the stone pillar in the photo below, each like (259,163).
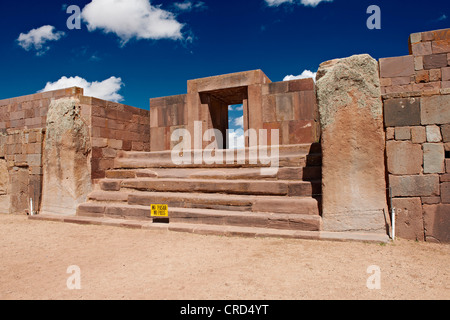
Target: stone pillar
(66,159)
(353,144)
(4,183)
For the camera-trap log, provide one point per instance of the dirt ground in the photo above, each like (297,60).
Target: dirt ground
(118,263)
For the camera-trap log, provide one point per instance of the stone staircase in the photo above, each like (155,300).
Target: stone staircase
(214,198)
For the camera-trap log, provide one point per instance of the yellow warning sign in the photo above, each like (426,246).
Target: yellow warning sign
(160,210)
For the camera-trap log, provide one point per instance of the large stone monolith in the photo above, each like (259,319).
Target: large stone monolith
(353,144)
(66,159)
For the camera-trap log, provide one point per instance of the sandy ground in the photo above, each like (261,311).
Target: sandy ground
(118,263)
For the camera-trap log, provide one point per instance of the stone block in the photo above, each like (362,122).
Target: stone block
(433,134)
(404,157)
(66,173)
(441,46)
(4,177)
(409,218)
(269,108)
(418,63)
(445,74)
(431,200)
(435,110)
(285,107)
(414,185)
(399,81)
(402,112)
(421,49)
(390,133)
(403,133)
(430,88)
(350,107)
(445,192)
(418,134)
(422,76)
(397,67)
(433,158)
(447,165)
(301,85)
(302,132)
(115,144)
(278,87)
(435,61)
(110,185)
(415,38)
(305,106)
(437,223)
(386,82)
(435,75)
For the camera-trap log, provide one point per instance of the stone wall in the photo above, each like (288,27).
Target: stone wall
(20,169)
(416,95)
(111,127)
(115,127)
(290,107)
(166,115)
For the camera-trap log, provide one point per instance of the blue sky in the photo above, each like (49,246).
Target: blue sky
(133,50)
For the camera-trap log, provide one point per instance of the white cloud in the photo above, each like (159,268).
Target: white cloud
(236,139)
(239,122)
(107,89)
(189,6)
(304,75)
(130,19)
(36,39)
(307,3)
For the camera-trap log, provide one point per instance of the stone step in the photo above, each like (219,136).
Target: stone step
(245,219)
(302,149)
(250,203)
(285,161)
(288,156)
(286,173)
(242,187)
(214,230)
(206,216)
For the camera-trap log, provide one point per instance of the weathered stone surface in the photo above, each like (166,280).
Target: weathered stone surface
(4,182)
(4,177)
(445,192)
(433,158)
(435,61)
(409,218)
(414,185)
(397,67)
(66,166)
(404,157)
(437,223)
(433,134)
(418,135)
(446,133)
(402,112)
(353,143)
(435,110)
(403,133)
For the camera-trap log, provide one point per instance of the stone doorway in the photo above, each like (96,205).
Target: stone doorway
(218,104)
